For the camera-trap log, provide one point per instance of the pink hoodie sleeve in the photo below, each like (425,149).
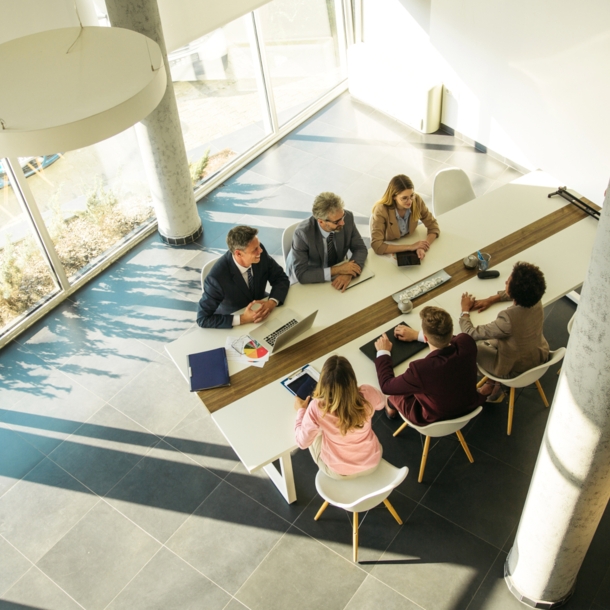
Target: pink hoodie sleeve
(374,396)
(306,427)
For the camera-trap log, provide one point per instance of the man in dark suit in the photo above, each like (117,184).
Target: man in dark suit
(238,280)
(320,245)
(440,386)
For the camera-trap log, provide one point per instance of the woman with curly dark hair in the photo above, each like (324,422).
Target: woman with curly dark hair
(513,343)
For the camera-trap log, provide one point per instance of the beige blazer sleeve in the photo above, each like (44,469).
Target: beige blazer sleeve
(421,212)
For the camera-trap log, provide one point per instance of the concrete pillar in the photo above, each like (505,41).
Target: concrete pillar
(160,136)
(571,482)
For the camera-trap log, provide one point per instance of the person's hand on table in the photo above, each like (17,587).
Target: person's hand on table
(351,268)
(421,253)
(467,302)
(405,333)
(483,304)
(383,343)
(341,282)
(420,245)
(299,403)
(257,311)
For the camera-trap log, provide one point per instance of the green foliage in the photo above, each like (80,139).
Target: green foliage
(197,168)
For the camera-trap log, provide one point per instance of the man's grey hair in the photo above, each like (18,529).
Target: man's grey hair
(325,204)
(240,236)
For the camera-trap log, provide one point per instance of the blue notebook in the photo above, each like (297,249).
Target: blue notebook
(208,369)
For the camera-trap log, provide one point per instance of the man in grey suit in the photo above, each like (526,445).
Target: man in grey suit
(321,243)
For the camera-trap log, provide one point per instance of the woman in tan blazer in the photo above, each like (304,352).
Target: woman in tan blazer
(513,343)
(400,205)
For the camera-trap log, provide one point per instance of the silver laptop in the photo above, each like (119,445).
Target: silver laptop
(285,326)
(366,274)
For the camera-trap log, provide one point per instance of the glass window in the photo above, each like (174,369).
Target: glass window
(91,199)
(25,277)
(305,50)
(220,96)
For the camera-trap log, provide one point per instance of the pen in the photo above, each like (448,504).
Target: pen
(295,373)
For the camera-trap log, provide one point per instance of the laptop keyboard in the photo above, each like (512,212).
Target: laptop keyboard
(271,339)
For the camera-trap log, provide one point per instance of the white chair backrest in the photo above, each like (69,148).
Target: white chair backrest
(571,323)
(362,493)
(532,375)
(206,269)
(287,239)
(451,189)
(446,427)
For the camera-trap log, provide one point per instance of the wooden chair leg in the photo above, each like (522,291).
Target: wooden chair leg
(392,511)
(404,425)
(355,537)
(511,408)
(482,382)
(542,394)
(424,457)
(322,509)
(465,446)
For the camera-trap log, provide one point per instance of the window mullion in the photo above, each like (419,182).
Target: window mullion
(258,31)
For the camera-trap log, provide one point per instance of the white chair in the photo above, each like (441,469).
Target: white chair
(287,239)
(206,269)
(438,429)
(451,189)
(361,494)
(523,380)
(570,324)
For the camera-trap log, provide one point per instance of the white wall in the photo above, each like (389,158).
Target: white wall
(527,78)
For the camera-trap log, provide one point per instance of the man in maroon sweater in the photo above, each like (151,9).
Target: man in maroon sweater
(440,386)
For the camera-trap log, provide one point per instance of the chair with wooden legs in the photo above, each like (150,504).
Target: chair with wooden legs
(438,429)
(523,380)
(361,494)
(570,324)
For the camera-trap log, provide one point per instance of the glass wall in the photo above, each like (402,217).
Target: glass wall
(305,50)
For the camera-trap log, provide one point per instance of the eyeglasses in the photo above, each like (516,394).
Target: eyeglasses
(336,222)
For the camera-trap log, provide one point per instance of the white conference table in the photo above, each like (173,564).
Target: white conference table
(464,230)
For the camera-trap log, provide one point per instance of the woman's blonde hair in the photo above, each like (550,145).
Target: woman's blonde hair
(338,394)
(398,184)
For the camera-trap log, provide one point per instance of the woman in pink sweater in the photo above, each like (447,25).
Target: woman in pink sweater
(336,424)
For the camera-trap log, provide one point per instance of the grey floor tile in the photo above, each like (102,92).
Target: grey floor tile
(46,418)
(485,498)
(287,203)
(227,537)
(35,591)
(104,449)
(104,542)
(321,175)
(345,113)
(405,160)
(17,458)
(168,582)
(162,491)
(158,398)
(235,605)
(435,563)
(281,164)
(284,579)
(362,195)
(42,508)
(22,373)
(199,437)
(480,184)
(373,595)
(316,137)
(377,528)
(472,161)
(13,565)
(359,155)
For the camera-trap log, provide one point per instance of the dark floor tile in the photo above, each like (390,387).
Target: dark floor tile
(284,579)
(377,528)
(594,575)
(373,595)
(42,508)
(485,498)
(260,487)
(104,542)
(199,437)
(168,582)
(602,596)
(13,565)
(36,591)
(17,458)
(435,563)
(104,449)
(227,537)
(158,398)
(406,450)
(162,491)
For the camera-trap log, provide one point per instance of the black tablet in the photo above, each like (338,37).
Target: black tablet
(407,258)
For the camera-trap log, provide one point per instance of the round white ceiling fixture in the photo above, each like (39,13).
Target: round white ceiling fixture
(72,87)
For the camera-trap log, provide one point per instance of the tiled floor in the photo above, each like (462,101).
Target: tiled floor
(118,491)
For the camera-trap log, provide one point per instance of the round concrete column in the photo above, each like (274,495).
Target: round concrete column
(571,482)
(160,136)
